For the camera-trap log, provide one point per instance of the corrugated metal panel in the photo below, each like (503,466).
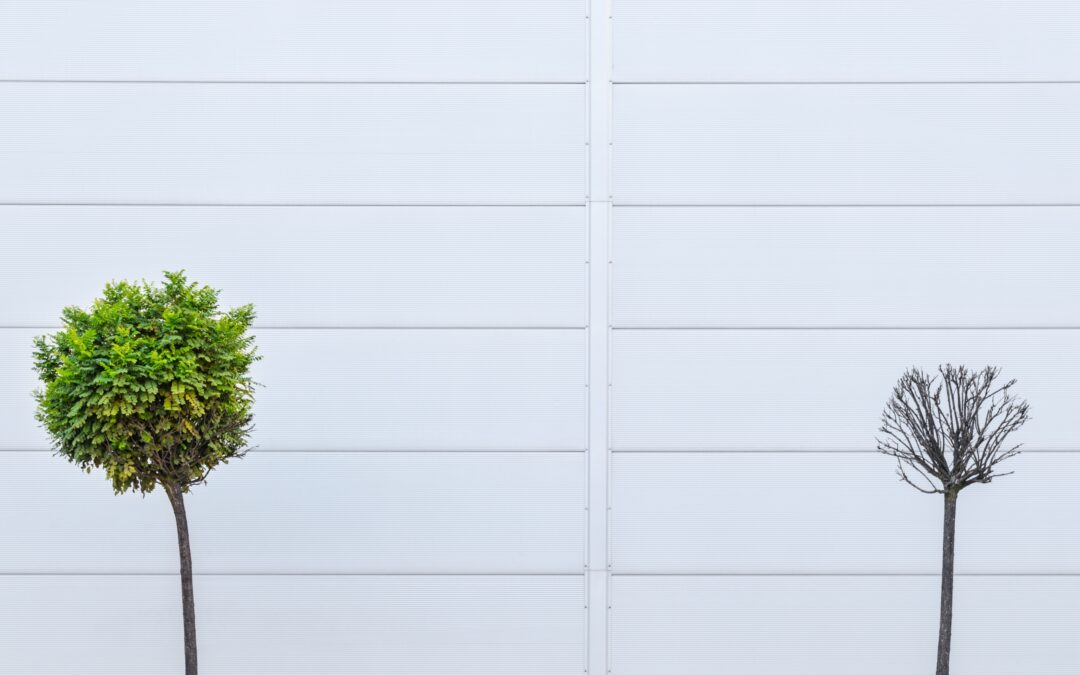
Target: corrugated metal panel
(817,389)
(823,40)
(326,266)
(285,625)
(309,513)
(821,267)
(283,143)
(384,390)
(847,144)
(493,513)
(524,40)
(840,625)
(783,513)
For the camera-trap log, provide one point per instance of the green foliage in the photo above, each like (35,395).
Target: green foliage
(150,384)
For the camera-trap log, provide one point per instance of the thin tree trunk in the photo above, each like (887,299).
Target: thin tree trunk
(948,548)
(191,660)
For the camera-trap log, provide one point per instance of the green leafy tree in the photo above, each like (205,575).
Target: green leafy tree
(151,385)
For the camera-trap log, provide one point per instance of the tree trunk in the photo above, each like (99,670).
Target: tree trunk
(191,660)
(948,547)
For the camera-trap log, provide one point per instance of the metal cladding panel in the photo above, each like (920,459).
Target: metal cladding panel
(847,144)
(285,625)
(292,143)
(383,390)
(308,513)
(300,40)
(840,625)
(401,189)
(834,267)
(846,40)
(324,266)
(834,513)
(817,389)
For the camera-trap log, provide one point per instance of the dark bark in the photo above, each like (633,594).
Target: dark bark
(948,549)
(191,660)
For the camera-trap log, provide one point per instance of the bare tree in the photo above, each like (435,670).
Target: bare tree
(947,431)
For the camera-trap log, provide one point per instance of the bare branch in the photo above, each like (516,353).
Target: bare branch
(948,430)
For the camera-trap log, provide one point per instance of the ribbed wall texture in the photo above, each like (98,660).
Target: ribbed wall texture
(809,197)
(399,187)
(577,317)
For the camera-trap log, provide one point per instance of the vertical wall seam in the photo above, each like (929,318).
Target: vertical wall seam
(598,199)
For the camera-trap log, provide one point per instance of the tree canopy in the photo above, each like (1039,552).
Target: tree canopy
(150,384)
(950,430)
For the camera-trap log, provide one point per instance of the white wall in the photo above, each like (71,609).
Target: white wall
(400,189)
(459,221)
(809,197)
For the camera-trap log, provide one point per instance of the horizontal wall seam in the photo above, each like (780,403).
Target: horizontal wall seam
(623,328)
(868,205)
(296,82)
(782,451)
(541,574)
(658,451)
(840,328)
(257,327)
(759,83)
(582,204)
(257,451)
(842,574)
(305,205)
(296,574)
